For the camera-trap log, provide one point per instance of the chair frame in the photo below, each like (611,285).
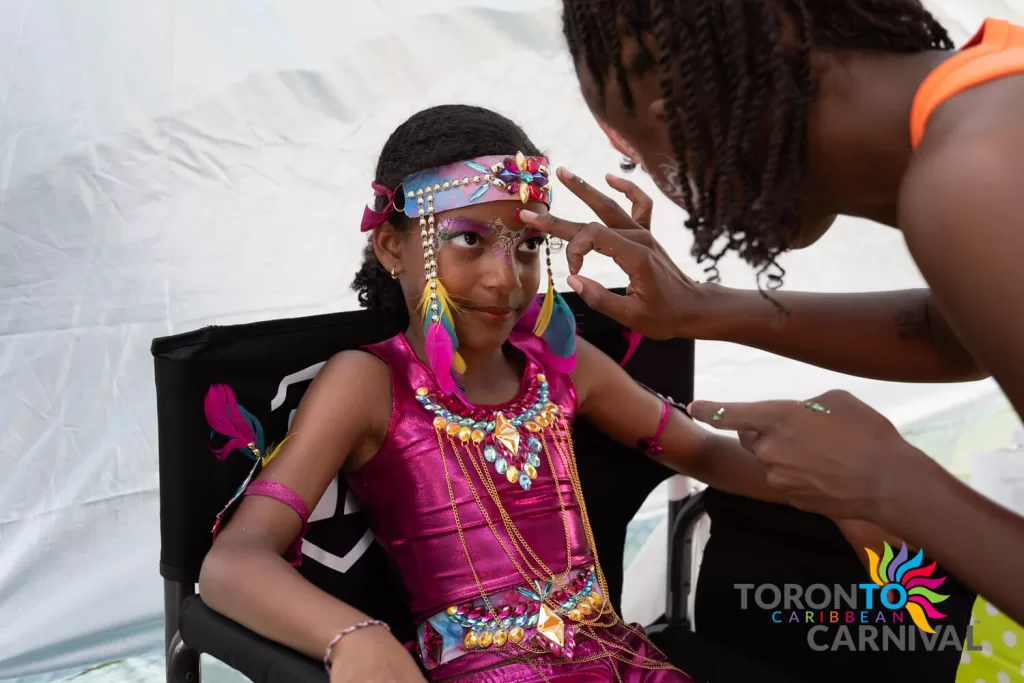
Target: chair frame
(183,662)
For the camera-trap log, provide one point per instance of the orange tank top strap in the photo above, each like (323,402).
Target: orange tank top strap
(997,50)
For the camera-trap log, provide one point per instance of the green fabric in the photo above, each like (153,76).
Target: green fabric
(1001,657)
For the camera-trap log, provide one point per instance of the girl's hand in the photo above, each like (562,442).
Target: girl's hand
(372,655)
(660,302)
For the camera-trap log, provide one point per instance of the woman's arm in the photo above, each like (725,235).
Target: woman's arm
(973,538)
(245,577)
(964,225)
(627,413)
(898,336)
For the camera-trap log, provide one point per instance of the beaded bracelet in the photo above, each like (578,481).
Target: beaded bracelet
(351,629)
(651,445)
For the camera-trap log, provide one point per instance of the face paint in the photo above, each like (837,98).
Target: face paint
(506,240)
(670,180)
(450,228)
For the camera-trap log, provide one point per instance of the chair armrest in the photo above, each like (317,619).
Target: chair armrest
(262,660)
(680,556)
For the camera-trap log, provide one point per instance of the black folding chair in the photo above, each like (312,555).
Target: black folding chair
(269,365)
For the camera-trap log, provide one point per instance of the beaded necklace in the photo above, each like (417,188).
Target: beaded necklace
(503,436)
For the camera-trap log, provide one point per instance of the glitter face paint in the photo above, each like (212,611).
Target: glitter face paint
(670,181)
(506,240)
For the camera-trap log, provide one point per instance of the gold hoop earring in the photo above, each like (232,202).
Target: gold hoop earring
(394,275)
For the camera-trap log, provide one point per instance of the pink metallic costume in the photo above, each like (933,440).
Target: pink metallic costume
(407,491)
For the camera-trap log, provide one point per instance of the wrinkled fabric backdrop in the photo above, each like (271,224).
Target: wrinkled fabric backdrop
(170,164)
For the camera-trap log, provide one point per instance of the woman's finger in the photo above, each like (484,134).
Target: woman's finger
(622,246)
(551,225)
(621,309)
(606,208)
(643,205)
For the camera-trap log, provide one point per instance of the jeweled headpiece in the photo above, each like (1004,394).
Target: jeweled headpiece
(453,186)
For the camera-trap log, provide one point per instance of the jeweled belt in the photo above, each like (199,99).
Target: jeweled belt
(520,616)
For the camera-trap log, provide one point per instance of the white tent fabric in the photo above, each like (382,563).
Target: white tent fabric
(174,163)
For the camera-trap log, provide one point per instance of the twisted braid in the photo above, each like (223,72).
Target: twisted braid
(731,58)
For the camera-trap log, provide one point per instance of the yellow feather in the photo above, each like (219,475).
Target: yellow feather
(273,453)
(544,317)
(444,300)
(459,364)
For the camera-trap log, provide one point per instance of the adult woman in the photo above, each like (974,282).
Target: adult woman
(765,120)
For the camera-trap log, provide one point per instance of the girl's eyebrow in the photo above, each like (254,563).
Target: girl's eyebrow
(463,225)
(530,233)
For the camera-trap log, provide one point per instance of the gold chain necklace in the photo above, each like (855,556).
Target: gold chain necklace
(560,437)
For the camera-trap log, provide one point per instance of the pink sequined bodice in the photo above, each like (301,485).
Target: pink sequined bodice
(404,493)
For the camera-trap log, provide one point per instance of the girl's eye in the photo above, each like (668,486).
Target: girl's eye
(532,244)
(462,239)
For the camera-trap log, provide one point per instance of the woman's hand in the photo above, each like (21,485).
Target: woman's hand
(372,655)
(660,301)
(833,454)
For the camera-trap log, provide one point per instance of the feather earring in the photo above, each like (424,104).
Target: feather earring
(440,342)
(556,323)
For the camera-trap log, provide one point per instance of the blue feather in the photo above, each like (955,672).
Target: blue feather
(450,329)
(478,167)
(479,192)
(257,429)
(561,333)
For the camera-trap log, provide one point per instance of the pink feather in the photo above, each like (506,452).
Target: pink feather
(557,364)
(440,354)
(634,341)
(226,419)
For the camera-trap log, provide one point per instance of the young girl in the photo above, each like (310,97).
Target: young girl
(456,438)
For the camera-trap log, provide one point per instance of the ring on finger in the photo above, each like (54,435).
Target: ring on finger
(717,417)
(816,407)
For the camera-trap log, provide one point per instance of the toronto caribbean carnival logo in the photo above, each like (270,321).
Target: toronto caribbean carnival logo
(896,612)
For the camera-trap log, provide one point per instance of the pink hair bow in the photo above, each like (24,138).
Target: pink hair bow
(374,219)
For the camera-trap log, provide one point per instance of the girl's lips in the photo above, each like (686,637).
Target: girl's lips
(494,313)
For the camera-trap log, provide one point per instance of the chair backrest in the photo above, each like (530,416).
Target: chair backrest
(270,364)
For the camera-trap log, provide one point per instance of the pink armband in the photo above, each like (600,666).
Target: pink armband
(651,445)
(283,494)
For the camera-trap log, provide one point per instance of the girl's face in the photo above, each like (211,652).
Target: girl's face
(489,262)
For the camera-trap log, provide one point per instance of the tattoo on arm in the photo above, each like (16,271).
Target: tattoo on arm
(913,324)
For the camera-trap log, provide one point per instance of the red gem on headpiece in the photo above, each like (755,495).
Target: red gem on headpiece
(510,164)
(535,192)
(533,164)
(513,187)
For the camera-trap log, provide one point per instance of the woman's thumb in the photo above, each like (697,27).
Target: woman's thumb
(600,299)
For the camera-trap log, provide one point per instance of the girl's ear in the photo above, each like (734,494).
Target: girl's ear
(387,245)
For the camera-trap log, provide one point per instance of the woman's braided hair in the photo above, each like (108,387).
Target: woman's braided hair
(735,62)
(431,138)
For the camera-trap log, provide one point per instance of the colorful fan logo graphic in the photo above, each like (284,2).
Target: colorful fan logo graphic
(911,581)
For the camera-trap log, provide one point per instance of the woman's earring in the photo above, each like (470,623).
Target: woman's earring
(394,275)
